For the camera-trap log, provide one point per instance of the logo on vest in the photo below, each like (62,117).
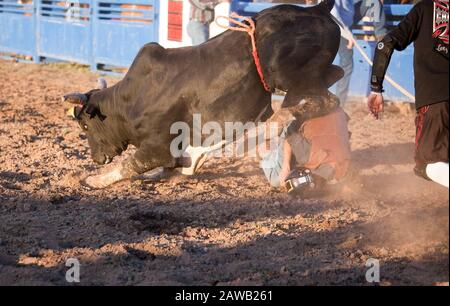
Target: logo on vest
(440,20)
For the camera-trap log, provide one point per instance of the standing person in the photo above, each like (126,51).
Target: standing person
(361,8)
(202,14)
(427,26)
(344,11)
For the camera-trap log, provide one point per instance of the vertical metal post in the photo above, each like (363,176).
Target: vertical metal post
(93,36)
(156,19)
(37,37)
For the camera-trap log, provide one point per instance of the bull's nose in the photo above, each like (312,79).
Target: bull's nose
(99,159)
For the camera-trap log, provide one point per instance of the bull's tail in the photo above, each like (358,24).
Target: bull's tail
(326,5)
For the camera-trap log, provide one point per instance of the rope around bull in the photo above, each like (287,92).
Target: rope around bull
(250,29)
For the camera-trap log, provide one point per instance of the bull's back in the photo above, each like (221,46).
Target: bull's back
(297,45)
(217,80)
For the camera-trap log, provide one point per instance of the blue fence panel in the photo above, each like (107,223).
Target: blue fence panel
(400,69)
(121,28)
(64,30)
(359,83)
(17,27)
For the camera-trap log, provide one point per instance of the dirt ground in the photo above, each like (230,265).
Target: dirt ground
(224,226)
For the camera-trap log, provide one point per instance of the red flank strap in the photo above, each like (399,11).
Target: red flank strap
(250,29)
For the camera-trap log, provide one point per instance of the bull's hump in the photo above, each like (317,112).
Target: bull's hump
(326,5)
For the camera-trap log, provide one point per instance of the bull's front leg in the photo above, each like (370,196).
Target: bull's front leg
(142,161)
(120,172)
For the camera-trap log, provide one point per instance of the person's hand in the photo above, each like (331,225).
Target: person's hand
(286,165)
(375,103)
(284,173)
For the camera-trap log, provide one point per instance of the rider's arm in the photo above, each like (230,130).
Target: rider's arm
(399,38)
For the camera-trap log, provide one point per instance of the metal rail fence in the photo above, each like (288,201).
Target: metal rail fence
(92,32)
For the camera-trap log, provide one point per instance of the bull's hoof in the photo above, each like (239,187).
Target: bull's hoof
(93,182)
(198,156)
(149,176)
(104,180)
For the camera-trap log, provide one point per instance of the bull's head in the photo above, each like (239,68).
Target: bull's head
(99,128)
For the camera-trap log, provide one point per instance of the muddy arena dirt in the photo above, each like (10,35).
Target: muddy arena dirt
(223,226)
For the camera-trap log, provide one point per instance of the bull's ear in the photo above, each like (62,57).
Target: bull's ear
(75,98)
(101,83)
(94,111)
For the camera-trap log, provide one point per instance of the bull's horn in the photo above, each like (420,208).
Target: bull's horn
(101,83)
(71,112)
(75,98)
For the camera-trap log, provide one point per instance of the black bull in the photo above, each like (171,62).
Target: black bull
(217,79)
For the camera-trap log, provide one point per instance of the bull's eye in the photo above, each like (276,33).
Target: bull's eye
(82,125)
